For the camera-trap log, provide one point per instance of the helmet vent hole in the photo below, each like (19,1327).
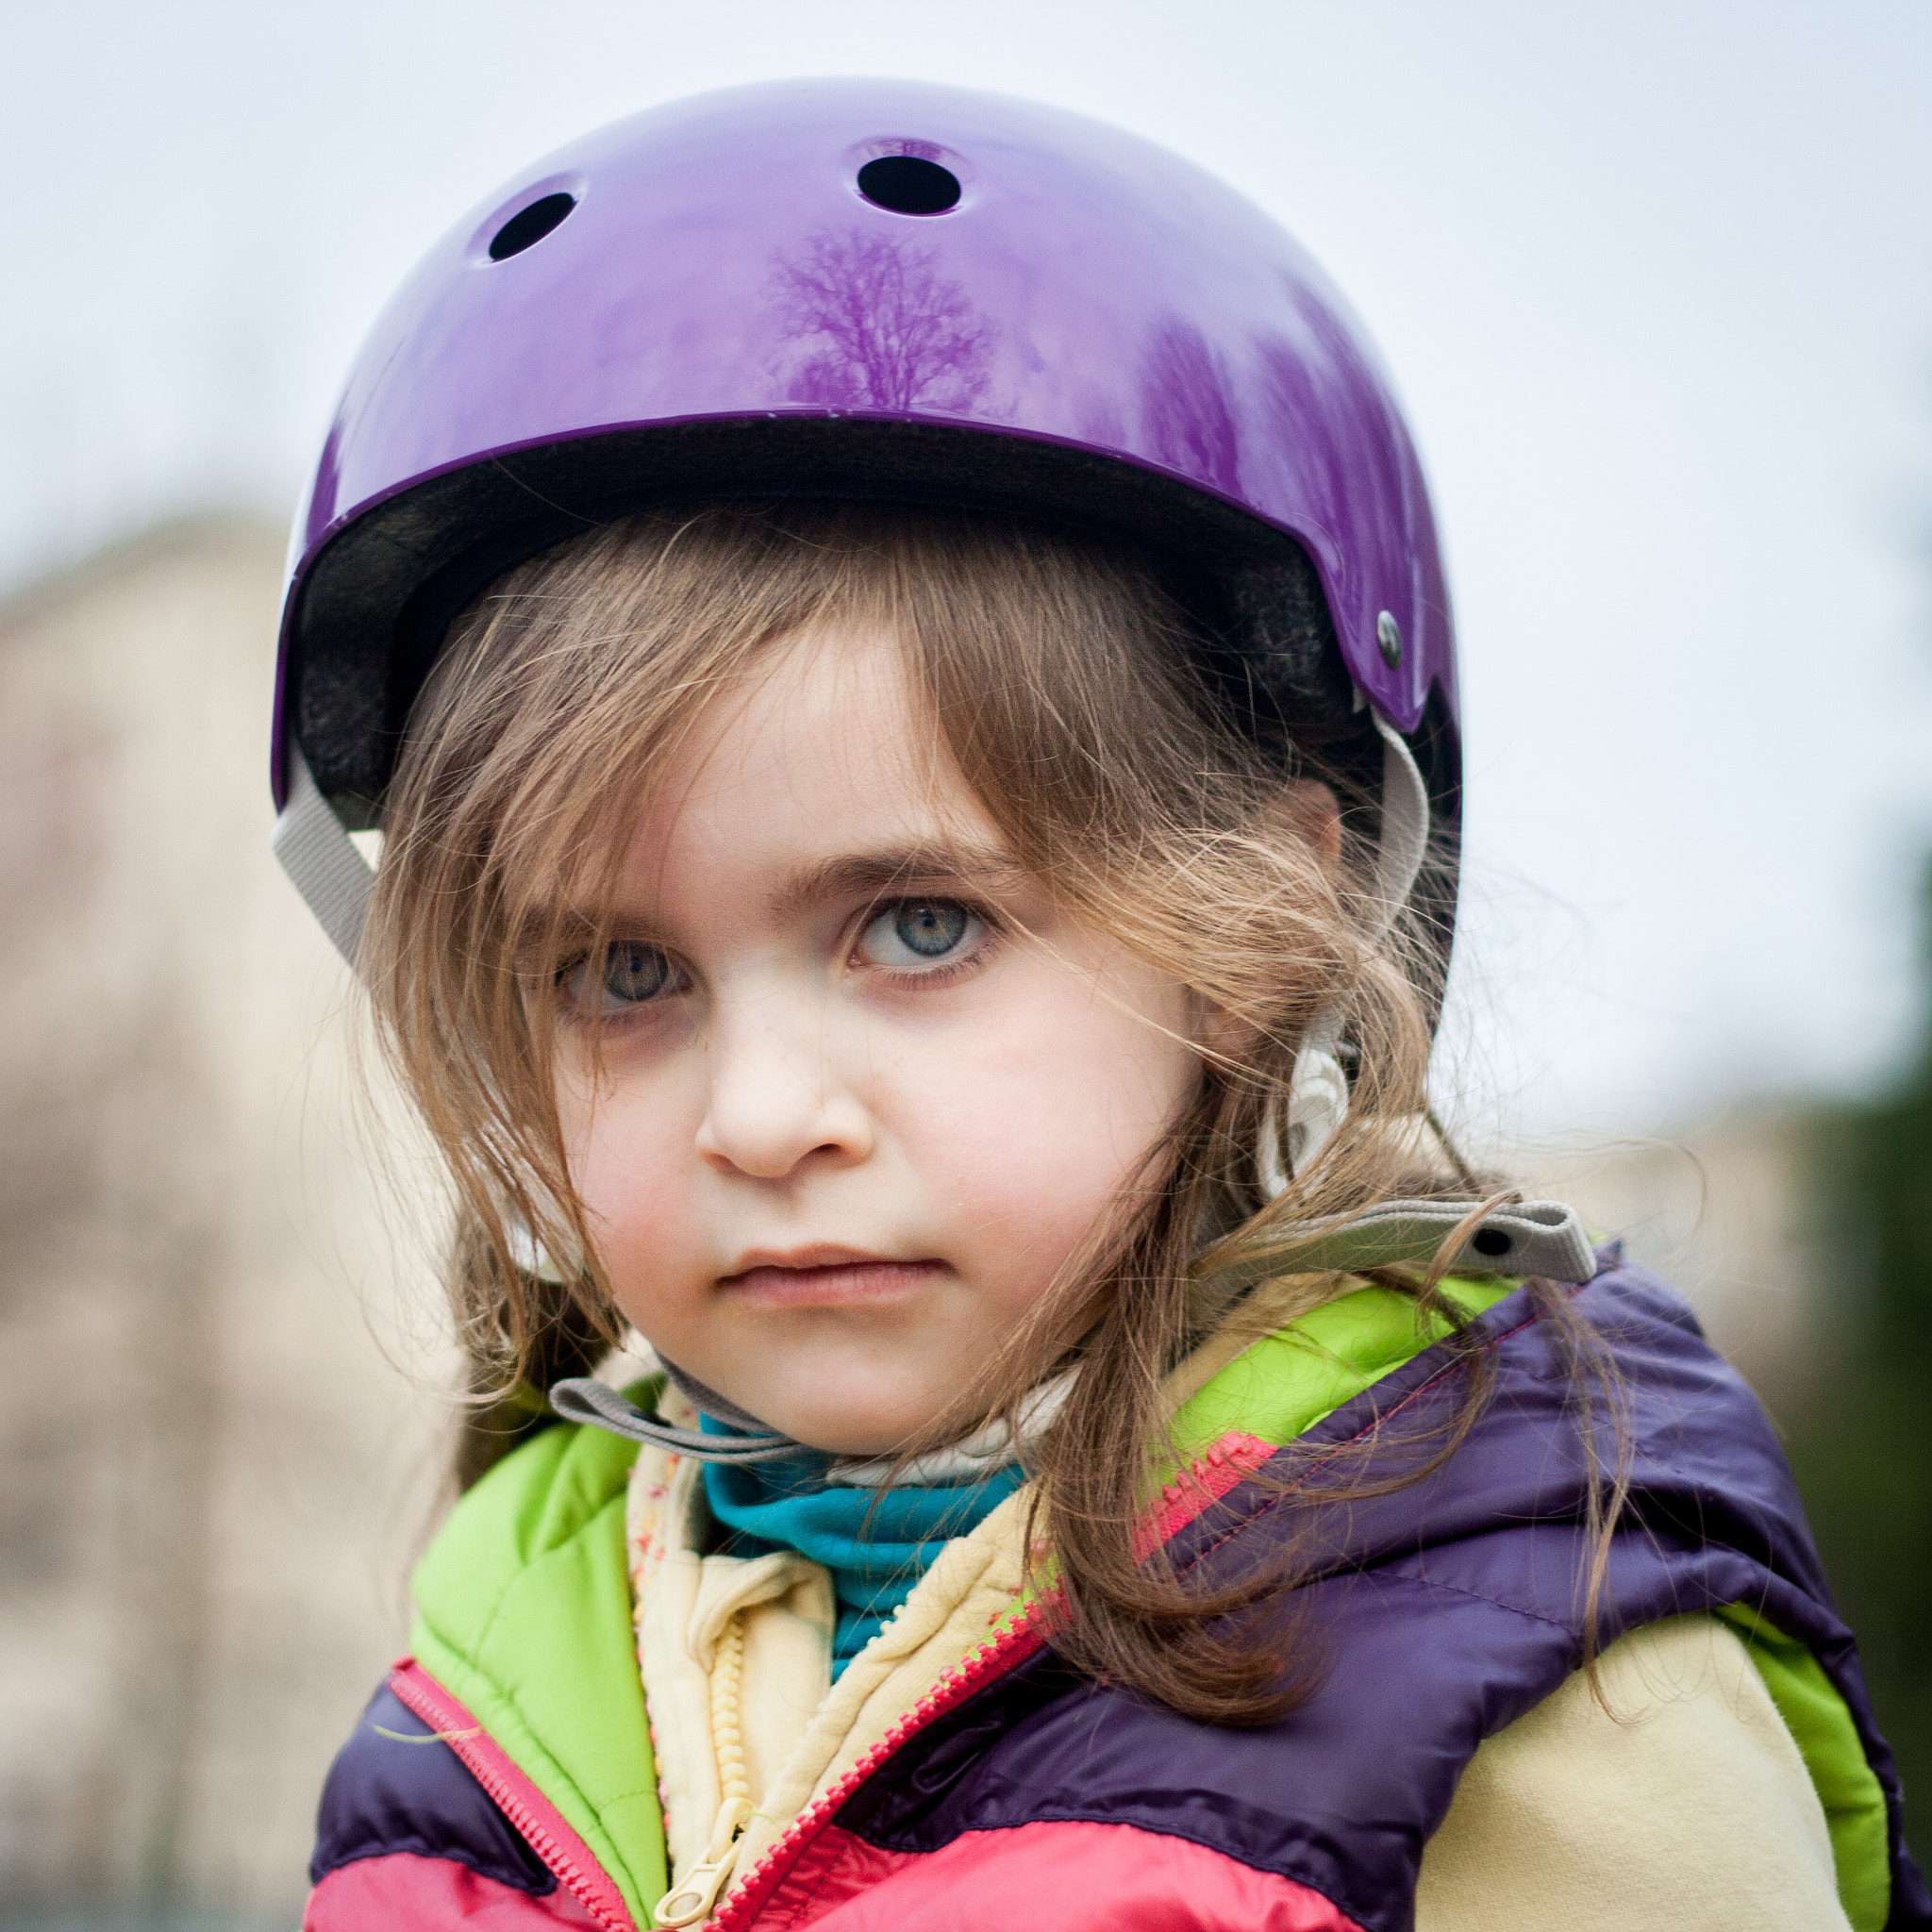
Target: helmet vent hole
(910,185)
(529,226)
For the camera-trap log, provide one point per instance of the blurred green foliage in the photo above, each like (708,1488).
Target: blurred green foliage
(1862,1440)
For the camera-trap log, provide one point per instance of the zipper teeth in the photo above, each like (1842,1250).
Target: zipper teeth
(1208,1479)
(728,1744)
(757,1884)
(411,1691)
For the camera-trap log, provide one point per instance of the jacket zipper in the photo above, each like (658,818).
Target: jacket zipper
(415,1687)
(1012,1646)
(693,1898)
(1209,1477)
(686,1904)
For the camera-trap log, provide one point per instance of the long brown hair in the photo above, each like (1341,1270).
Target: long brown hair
(1060,676)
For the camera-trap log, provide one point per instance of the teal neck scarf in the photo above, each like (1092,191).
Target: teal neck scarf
(877,1544)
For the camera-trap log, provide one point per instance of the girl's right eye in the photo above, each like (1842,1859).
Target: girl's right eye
(634,974)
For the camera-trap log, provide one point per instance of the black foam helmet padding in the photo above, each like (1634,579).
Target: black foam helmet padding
(376,604)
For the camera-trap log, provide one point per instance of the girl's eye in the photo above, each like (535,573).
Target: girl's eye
(919,935)
(634,973)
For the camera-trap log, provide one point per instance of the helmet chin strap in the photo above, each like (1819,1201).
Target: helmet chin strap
(745,1440)
(1504,1235)
(1318,1089)
(584,1399)
(321,860)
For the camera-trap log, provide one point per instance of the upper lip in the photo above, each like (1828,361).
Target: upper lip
(815,1255)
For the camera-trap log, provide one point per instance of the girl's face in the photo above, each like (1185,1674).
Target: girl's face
(850,1126)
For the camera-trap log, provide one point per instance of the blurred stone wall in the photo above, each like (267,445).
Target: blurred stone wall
(214,1469)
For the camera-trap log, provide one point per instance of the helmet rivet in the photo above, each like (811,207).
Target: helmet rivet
(1388,638)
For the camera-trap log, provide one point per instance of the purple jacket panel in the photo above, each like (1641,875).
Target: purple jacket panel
(397,1787)
(1443,1611)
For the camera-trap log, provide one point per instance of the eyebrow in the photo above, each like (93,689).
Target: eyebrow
(881,872)
(854,874)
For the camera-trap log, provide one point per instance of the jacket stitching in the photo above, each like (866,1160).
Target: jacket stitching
(1429,1583)
(809,1897)
(583,1529)
(827,1867)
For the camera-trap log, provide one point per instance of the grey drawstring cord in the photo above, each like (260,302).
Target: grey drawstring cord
(584,1399)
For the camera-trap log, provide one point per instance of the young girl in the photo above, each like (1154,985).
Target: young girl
(895,642)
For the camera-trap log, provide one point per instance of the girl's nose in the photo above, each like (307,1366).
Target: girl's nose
(776,1102)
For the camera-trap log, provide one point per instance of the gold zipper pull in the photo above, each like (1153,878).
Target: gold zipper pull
(687,1903)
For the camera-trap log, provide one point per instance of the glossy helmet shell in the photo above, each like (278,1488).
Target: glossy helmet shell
(875,290)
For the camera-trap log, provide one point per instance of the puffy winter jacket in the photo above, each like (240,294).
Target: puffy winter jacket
(1453,1768)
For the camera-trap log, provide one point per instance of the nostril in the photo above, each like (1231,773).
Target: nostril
(908,185)
(529,226)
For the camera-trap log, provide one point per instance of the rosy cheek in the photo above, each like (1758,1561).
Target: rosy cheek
(623,1162)
(1031,1134)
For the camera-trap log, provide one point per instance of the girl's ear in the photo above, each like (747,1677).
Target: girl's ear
(1308,812)
(1223,1036)
(1315,813)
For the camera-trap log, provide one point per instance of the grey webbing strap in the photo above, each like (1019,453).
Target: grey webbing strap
(1405,841)
(583,1399)
(321,860)
(1523,1238)
(1318,1087)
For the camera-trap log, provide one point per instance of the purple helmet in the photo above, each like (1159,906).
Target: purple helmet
(867,289)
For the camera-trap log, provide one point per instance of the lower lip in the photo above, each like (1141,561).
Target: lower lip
(849,1285)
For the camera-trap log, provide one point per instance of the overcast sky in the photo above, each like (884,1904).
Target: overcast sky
(1655,278)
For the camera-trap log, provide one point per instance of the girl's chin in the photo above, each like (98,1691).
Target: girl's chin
(841,1439)
(852,1427)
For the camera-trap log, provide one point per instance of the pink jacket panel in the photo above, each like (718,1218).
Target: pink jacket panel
(401,1889)
(1072,1877)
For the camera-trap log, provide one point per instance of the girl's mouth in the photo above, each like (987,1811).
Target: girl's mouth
(829,1278)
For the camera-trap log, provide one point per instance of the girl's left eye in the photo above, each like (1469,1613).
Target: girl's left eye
(921,936)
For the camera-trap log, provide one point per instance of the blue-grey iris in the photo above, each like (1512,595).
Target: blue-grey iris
(929,927)
(634,971)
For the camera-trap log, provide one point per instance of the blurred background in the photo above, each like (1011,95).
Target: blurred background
(1656,281)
